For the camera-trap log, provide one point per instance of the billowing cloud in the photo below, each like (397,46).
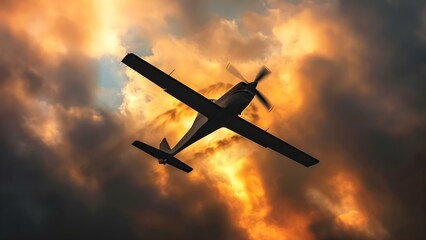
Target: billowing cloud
(347,86)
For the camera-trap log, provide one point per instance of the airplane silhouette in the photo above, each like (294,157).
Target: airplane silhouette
(213,114)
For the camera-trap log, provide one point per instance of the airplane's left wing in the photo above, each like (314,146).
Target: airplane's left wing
(172,86)
(267,140)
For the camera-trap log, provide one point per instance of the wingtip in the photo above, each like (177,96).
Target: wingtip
(313,163)
(127,57)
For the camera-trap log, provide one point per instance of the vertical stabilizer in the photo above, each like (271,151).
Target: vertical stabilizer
(164,146)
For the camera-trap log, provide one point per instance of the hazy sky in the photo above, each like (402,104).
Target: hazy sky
(347,84)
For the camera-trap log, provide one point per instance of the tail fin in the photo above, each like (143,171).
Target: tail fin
(162,156)
(164,146)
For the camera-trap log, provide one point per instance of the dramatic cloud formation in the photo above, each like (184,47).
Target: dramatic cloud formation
(347,86)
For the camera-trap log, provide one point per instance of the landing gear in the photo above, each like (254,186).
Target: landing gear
(162,161)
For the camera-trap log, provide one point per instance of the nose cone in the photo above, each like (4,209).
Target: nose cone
(252,86)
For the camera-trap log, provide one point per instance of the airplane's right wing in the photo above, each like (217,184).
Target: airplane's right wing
(172,86)
(267,140)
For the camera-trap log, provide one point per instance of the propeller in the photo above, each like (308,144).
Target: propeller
(235,72)
(263,72)
(263,100)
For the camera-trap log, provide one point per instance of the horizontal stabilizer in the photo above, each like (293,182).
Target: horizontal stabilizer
(178,164)
(163,157)
(150,150)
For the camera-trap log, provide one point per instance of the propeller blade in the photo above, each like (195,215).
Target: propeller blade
(264,101)
(231,69)
(263,72)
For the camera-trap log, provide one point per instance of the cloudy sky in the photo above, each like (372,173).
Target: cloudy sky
(348,86)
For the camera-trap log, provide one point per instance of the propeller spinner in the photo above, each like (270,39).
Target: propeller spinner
(263,72)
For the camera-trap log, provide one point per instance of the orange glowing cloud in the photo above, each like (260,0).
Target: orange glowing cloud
(343,201)
(229,167)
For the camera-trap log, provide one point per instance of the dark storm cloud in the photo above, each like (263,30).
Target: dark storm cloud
(16,53)
(234,41)
(397,52)
(71,81)
(381,132)
(36,202)
(210,25)
(196,15)
(76,80)
(91,184)
(397,68)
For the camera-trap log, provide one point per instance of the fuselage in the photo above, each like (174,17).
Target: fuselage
(233,102)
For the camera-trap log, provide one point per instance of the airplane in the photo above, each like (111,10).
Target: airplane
(212,115)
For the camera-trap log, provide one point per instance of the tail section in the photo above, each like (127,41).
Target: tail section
(163,157)
(164,146)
